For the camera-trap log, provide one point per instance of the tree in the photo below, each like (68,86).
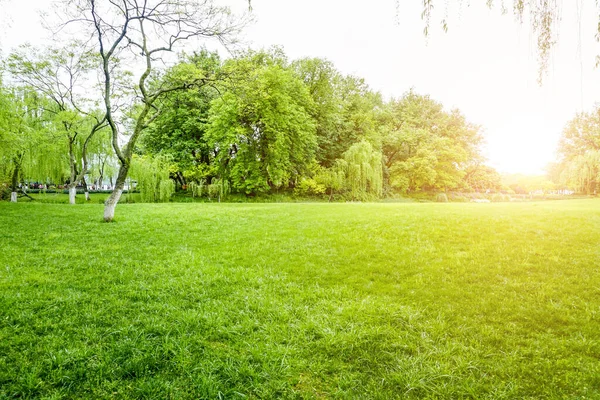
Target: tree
(579,152)
(346,110)
(27,141)
(261,129)
(480,178)
(426,147)
(61,74)
(152,176)
(581,135)
(363,170)
(180,131)
(143,33)
(583,172)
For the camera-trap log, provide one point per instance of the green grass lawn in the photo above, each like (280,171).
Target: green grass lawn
(249,301)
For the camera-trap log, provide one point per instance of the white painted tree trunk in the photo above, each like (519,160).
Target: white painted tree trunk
(72,194)
(110,204)
(13,197)
(87,196)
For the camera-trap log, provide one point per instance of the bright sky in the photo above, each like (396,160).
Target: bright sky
(485,65)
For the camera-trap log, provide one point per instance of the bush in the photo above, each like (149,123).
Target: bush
(4,192)
(309,187)
(441,198)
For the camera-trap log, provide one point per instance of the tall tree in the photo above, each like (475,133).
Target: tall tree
(364,174)
(480,178)
(579,150)
(180,131)
(581,134)
(346,110)
(62,75)
(143,33)
(27,142)
(426,147)
(261,129)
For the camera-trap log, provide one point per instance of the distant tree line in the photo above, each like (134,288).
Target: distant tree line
(271,124)
(258,124)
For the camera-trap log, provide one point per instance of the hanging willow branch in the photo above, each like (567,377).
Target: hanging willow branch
(364,172)
(544,17)
(152,176)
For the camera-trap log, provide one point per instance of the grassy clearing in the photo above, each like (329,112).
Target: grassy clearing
(301,301)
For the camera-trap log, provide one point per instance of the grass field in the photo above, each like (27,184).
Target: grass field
(249,301)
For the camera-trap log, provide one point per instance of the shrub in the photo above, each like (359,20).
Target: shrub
(309,187)
(218,189)
(197,189)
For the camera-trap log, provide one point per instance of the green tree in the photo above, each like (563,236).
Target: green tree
(180,130)
(61,75)
(425,147)
(346,110)
(579,150)
(142,33)
(582,172)
(152,176)
(581,135)
(480,178)
(261,129)
(27,140)
(364,172)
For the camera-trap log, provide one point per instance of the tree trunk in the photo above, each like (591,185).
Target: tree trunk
(72,193)
(15,181)
(113,199)
(179,178)
(85,190)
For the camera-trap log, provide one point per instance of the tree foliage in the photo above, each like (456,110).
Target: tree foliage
(543,15)
(255,123)
(180,130)
(426,147)
(61,75)
(261,130)
(346,110)
(579,151)
(364,172)
(142,33)
(28,150)
(152,176)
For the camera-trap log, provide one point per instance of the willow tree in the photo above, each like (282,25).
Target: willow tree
(62,76)
(364,171)
(152,177)
(27,142)
(543,15)
(582,172)
(579,152)
(102,160)
(142,33)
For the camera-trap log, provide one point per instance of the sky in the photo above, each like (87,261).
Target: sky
(485,64)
